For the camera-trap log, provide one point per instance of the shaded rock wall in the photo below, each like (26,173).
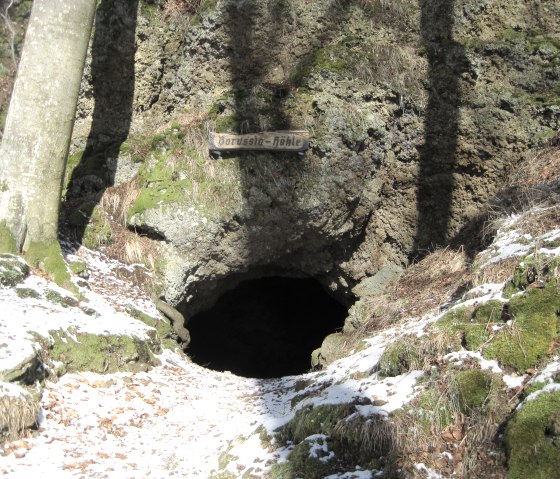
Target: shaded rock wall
(416,113)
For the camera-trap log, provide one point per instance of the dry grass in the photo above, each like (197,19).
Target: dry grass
(130,247)
(434,430)
(127,246)
(16,415)
(402,68)
(374,436)
(178,9)
(498,272)
(424,286)
(399,9)
(534,183)
(117,200)
(542,170)
(539,221)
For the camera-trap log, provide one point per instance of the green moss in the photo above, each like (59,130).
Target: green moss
(78,267)
(159,194)
(80,164)
(47,256)
(354,440)
(101,354)
(305,464)
(489,312)
(319,420)
(509,290)
(163,329)
(97,232)
(510,35)
(332,348)
(227,124)
(534,387)
(553,244)
(399,358)
(534,328)
(333,58)
(150,11)
(473,388)
(530,39)
(284,470)
(63,300)
(523,276)
(432,408)
(205,7)
(464,324)
(532,439)
(27,293)
(7,240)
(72,161)
(13,270)
(265,438)
(177,171)
(159,178)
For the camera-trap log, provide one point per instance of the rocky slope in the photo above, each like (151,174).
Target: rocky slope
(446,368)
(450,371)
(416,112)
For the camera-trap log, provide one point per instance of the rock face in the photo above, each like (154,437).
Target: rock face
(416,113)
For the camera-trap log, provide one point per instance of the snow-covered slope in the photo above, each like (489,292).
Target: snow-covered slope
(179,419)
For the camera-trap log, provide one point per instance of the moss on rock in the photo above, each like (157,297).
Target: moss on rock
(78,267)
(101,354)
(97,232)
(400,357)
(532,439)
(164,330)
(332,348)
(352,439)
(523,275)
(530,336)
(309,461)
(60,299)
(27,293)
(47,256)
(314,420)
(13,270)
(473,388)
(469,326)
(7,240)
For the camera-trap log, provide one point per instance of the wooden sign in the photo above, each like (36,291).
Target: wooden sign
(296,141)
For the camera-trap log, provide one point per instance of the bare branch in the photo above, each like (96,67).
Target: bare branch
(6,17)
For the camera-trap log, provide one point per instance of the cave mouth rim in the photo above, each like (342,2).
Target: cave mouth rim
(323,314)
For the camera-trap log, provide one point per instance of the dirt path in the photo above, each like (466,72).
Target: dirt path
(175,420)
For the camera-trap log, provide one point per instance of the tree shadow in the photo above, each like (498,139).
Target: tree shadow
(438,155)
(264,78)
(112,91)
(252,56)
(255,40)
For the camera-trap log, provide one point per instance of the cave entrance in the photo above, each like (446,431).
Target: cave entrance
(265,328)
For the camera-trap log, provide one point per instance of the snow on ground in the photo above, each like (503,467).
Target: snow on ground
(178,418)
(174,420)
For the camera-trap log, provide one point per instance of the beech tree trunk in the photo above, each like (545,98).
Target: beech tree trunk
(41,117)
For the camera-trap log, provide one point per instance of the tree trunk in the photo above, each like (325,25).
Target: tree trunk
(40,120)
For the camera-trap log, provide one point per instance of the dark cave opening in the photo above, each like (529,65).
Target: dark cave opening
(265,328)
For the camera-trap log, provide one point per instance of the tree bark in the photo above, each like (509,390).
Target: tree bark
(41,117)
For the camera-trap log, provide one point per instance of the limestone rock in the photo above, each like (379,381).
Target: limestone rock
(416,116)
